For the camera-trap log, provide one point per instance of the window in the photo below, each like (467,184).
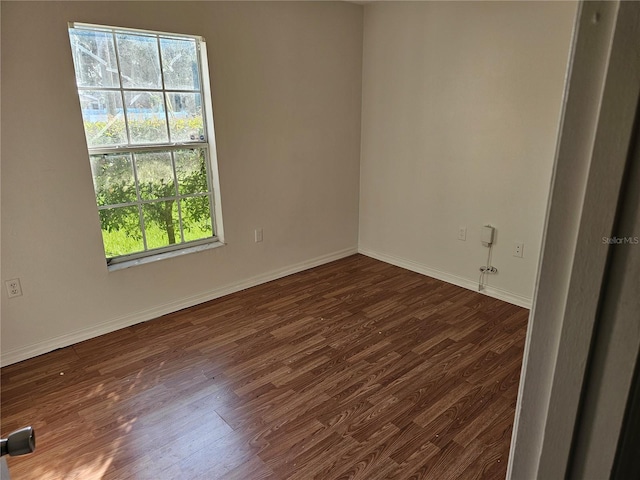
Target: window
(146,112)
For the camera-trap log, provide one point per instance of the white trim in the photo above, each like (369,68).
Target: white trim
(490,291)
(39,348)
(162,256)
(600,207)
(140,31)
(527,344)
(214,174)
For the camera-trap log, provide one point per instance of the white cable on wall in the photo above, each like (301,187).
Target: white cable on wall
(484,270)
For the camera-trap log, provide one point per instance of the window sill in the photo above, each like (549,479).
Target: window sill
(163,256)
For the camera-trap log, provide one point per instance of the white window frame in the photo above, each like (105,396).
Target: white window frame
(208,145)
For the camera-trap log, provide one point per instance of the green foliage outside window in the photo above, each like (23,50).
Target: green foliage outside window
(158,189)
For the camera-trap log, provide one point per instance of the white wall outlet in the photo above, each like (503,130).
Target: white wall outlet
(258,235)
(14,289)
(518,250)
(462,233)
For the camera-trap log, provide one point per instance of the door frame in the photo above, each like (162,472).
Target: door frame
(601,94)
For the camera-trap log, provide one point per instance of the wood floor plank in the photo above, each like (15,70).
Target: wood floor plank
(351,370)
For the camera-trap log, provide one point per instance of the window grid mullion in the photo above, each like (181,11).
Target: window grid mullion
(124,104)
(212,209)
(137,89)
(139,201)
(178,196)
(162,199)
(147,148)
(205,129)
(164,94)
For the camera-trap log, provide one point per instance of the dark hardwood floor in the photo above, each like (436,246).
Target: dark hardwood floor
(355,369)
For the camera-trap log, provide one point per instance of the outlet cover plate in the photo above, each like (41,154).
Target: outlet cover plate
(14,289)
(518,250)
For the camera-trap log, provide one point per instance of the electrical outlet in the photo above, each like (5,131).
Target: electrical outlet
(485,269)
(258,235)
(518,250)
(462,233)
(14,289)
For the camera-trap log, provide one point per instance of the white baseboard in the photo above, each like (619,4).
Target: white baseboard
(33,350)
(494,292)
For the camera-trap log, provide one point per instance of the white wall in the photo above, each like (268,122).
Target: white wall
(286,83)
(461,105)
